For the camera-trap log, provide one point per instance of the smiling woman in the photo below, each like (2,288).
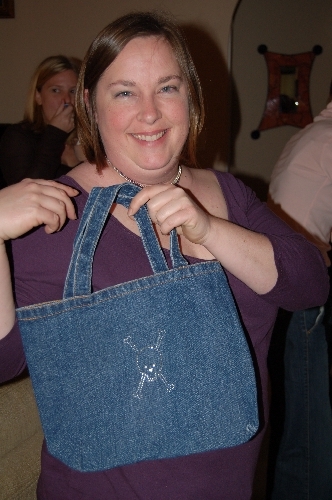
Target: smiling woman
(139,112)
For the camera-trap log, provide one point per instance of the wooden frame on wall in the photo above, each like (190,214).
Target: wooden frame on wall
(288,101)
(7,9)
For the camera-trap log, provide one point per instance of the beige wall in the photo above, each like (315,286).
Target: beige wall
(45,27)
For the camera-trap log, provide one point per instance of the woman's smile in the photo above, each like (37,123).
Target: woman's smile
(150,137)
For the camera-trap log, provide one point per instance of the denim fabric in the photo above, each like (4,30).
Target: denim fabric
(153,368)
(304,462)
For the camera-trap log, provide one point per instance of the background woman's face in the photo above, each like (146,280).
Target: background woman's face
(142,107)
(57,91)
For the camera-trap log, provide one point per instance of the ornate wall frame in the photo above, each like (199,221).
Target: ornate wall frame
(288,98)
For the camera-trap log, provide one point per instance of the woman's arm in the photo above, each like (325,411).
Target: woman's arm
(24,206)
(246,254)
(267,253)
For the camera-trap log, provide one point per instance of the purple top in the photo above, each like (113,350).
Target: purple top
(41,263)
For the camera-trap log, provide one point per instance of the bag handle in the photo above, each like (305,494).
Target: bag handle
(96,211)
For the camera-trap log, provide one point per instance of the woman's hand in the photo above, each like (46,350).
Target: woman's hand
(64,117)
(170,207)
(246,254)
(30,203)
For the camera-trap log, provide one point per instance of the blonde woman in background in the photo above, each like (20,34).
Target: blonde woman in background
(44,144)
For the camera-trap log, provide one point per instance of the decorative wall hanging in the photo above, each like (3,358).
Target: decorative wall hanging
(288,101)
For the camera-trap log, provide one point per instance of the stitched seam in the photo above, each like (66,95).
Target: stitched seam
(100,301)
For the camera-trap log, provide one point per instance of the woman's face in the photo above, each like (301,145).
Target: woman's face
(142,110)
(57,91)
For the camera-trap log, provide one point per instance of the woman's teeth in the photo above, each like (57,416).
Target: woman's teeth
(149,138)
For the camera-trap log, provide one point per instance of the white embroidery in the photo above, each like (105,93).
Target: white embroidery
(149,361)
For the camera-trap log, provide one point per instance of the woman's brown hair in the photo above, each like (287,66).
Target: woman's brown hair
(102,52)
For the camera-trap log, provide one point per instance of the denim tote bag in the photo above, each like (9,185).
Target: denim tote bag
(157,367)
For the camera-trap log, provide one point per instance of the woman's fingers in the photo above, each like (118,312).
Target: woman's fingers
(171,207)
(145,195)
(62,193)
(31,203)
(64,117)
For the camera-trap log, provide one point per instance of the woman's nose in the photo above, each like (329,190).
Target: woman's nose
(149,111)
(69,98)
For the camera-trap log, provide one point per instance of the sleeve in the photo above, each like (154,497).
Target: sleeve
(24,153)
(12,358)
(303,280)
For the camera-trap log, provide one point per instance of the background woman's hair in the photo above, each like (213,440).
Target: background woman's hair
(102,52)
(45,70)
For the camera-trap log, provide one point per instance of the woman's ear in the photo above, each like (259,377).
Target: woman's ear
(38,98)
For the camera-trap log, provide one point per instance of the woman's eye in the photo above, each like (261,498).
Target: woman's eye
(124,93)
(73,91)
(55,90)
(169,89)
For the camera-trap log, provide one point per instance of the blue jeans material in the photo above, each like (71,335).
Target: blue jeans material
(157,367)
(304,462)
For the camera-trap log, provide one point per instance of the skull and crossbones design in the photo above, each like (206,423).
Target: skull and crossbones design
(149,362)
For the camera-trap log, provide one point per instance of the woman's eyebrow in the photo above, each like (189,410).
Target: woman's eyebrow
(126,83)
(131,83)
(166,79)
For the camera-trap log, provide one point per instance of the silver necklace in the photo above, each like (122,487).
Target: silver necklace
(174,181)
